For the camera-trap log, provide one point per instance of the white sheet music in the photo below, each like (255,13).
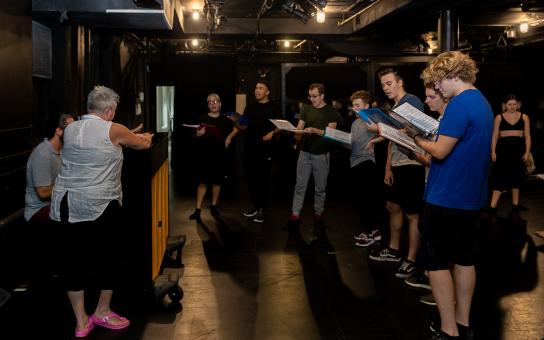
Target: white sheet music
(283,124)
(422,121)
(399,137)
(338,135)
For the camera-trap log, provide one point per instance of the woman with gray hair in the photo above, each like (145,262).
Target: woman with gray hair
(86,199)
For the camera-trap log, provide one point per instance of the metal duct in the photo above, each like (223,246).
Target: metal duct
(125,14)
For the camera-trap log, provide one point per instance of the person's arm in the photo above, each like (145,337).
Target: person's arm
(320,132)
(438,149)
(388,178)
(495,137)
(269,135)
(231,135)
(120,135)
(44,192)
(527,135)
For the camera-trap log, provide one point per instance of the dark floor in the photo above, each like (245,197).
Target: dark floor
(247,281)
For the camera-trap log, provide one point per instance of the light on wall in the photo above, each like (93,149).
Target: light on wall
(320,17)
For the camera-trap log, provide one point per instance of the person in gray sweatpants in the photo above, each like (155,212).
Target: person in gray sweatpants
(314,155)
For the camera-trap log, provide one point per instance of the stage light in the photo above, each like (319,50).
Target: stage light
(196,15)
(286,44)
(194,42)
(320,17)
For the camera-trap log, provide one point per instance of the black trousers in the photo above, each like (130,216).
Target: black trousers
(257,168)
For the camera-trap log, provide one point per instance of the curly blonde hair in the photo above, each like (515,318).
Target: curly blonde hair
(449,65)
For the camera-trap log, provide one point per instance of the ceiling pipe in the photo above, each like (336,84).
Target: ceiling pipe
(343,22)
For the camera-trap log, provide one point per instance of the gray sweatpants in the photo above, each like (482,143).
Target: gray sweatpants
(318,166)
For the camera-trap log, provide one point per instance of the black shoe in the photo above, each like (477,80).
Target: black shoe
(259,218)
(465,332)
(214,211)
(195,216)
(251,212)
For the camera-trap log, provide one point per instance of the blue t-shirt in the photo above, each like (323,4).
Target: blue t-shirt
(460,180)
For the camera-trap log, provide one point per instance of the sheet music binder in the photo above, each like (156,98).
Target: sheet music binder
(336,135)
(423,122)
(375,116)
(399,137)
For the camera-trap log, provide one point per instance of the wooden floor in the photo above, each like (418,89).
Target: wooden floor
(245,281)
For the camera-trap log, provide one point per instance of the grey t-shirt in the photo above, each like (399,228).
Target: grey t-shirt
(360,136)
(397,157)
(42,169)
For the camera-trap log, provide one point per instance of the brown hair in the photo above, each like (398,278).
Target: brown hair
(449,65)
(363,95)
(319,87)
(390,70)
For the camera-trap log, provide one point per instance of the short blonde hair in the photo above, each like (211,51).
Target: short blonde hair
(449,65)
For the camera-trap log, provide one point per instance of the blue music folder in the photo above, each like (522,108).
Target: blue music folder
(376,116)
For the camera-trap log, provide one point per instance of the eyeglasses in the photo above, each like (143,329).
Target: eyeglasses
(214,102)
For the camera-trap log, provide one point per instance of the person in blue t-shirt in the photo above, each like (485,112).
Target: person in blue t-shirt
(456,189)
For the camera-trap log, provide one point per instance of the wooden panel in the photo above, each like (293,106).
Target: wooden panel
(159,217)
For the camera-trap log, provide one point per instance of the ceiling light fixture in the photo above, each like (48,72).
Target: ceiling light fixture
(524,27)
(196,15)
(320,17)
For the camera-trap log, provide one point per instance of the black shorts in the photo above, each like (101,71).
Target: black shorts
(407,189)
(448,236)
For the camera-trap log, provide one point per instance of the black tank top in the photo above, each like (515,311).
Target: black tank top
(518,126)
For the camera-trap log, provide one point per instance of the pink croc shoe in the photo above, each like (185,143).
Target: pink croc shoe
(105,321)
(84,332)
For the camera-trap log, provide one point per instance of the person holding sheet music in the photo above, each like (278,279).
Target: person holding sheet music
(314,155)
(211,153)
(363,169)
(258,149)
(405,181)
(456,190)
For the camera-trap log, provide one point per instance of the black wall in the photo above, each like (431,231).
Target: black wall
(15,95)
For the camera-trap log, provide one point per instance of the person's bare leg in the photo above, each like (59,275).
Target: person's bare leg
(77,300)
(515,196)
(495,198)
(465,280)
(200,193)
(395,224)
(103,307)
(413,236)
(216,190)
(444,294)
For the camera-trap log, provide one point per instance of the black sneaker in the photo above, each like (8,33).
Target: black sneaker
(195,216)
(259,218)
(465,332)
(428,299)
(251,212)
(214,211)
(419,280)
(439,335)
(406,269)
(387,255)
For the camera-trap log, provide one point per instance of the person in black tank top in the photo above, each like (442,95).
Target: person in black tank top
(510,151)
